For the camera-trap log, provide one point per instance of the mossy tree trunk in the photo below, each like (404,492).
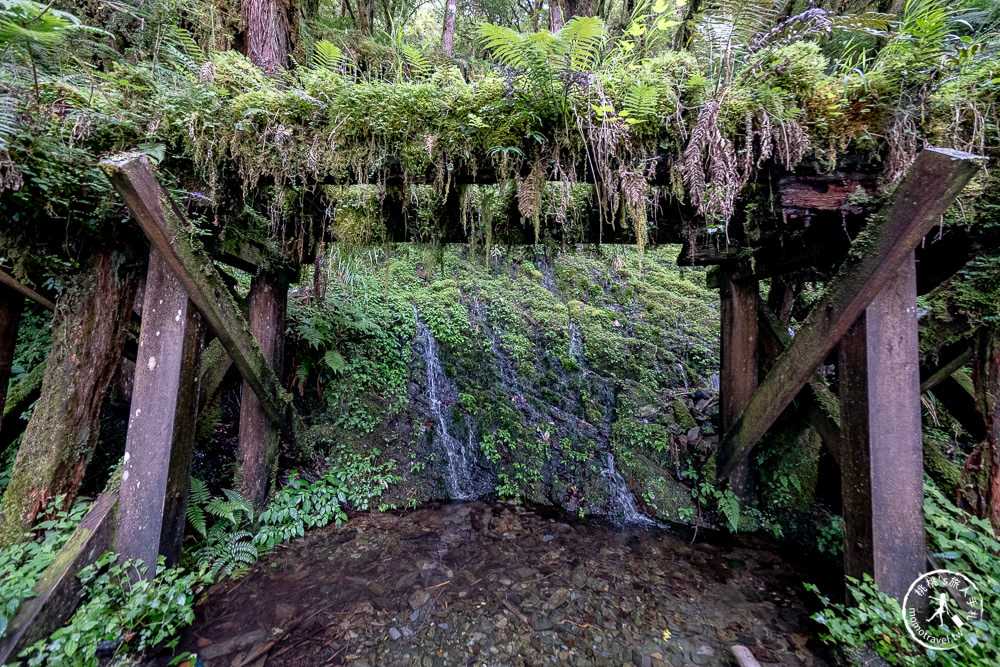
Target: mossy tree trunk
(88,333)
(268,38)
(986,379)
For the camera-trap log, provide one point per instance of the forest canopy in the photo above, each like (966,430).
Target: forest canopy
(648,101)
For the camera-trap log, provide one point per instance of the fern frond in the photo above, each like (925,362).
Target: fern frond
(419,66)
(639,103)
(583,37)
(8,119)
(327,55)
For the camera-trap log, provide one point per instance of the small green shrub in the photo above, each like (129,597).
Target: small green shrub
(964,544)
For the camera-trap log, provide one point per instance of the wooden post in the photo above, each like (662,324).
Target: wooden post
(738,364)
(135,180)
(258,451)
(11,305)
(881,462)
(162,416)
(931,185)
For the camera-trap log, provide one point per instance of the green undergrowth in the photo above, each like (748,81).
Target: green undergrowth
(873,621)
(555,356)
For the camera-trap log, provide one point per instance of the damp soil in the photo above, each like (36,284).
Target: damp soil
(496,584)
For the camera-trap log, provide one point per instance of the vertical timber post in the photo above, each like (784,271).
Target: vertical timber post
(882,459)
(258,450)
(11,305)
(738,357)
(162,418)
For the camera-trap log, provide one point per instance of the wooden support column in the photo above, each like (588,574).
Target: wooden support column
(162,417)
(738,372)
(881,461)
(135,180)
(258,451)
(931,185)
(11,305)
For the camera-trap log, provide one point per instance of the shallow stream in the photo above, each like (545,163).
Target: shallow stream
(497,584)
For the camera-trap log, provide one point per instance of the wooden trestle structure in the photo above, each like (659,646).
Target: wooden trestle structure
(868,312)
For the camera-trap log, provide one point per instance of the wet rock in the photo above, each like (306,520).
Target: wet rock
(541,623)
(548,538)
(394,633)
(558,598)
(418,599)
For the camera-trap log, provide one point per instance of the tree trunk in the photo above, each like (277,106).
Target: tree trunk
(88,333)
(448,38)
(267,38)
(555,17)
(571,8)
(986,379)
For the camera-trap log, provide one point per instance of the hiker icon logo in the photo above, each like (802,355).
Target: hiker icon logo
(940,607)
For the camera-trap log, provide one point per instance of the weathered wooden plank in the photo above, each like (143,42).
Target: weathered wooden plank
(258,449)
(162,415)
(738,364)
(882,471)
(12,283)
(58,589)
(11,305)
(935,179)
(133,176)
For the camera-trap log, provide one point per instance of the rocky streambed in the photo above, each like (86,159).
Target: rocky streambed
(497,584)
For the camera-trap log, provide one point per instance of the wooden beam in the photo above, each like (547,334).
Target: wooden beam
(19,398)
(945,370)
(25,291)
(936,178)
(258,448)
(58,590)
(133,176)
(11,306)
(882,431)
(820,407)
(162,415)
(738,364)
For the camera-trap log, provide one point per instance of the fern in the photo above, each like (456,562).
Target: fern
(729,505)
(639,104)
(8,119)
(419,66)
(328,56)
(726,31)
(583,38)
(198,497)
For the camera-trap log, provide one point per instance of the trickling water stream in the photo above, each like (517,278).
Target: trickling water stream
(462,465)
(575,344)
(623,508)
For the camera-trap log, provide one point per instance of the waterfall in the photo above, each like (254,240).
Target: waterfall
(575,344)
(623,509)
(461,457)
(684,375)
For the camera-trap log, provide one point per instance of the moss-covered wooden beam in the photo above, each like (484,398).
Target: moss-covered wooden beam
(57,592)
(134,177)
(933,182)
(819,405)
(19,398)
(12,283)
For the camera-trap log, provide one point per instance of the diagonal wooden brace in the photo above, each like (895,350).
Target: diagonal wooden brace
(933,182)
(134,178)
